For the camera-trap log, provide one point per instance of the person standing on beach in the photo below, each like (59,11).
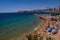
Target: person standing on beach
(40,37)
(48,23)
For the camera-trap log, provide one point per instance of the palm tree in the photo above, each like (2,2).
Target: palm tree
(35,37)
(29,37)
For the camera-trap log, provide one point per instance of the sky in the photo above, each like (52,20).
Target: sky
(16,5)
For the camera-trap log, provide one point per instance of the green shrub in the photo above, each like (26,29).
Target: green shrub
(29,37)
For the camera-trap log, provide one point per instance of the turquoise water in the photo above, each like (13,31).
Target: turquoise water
(16,24)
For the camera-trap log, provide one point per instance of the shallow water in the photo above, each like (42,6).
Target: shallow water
(16,24)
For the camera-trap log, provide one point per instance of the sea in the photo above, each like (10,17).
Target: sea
(14,25)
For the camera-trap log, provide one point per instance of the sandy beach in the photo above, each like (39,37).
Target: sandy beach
(42,25)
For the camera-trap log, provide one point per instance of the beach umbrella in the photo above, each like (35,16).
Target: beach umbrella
(50,29)
(57,28)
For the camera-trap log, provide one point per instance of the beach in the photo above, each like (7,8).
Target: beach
(43,24)
(16,26)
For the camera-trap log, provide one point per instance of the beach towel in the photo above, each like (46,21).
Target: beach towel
(55,32)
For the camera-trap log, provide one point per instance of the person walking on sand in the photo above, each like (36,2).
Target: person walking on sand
(48,23)
(46,37)
(40,37)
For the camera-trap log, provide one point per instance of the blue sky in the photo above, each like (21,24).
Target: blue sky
(16,5)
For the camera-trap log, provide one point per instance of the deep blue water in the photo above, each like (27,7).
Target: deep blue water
(14,24)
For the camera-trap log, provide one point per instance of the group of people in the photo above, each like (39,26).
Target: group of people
(52,29)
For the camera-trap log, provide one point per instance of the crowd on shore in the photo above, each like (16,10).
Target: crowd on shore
(51,29)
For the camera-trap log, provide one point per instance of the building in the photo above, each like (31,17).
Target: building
(59,8)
